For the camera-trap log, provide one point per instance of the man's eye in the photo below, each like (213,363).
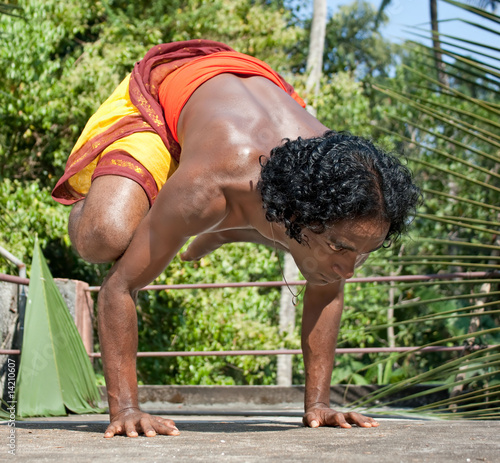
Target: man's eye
(336,247)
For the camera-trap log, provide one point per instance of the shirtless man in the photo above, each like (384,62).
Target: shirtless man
(329,199)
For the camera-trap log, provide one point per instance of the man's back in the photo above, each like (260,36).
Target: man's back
(225,129)
(250,115)
(230,122)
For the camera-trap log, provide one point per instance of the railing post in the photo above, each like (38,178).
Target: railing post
(287,319)
(9,318)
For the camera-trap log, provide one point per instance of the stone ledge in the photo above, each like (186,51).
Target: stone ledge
(266,396)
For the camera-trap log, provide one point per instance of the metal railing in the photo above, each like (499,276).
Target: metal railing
(403,278)
(22,296)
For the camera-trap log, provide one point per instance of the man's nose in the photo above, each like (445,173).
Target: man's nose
(345,267)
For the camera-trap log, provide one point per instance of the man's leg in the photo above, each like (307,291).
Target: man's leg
(102,225)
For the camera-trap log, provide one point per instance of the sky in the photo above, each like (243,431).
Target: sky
(403,13)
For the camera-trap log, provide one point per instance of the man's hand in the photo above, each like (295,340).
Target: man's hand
(321,415)
(132,421)
(205,243)
(202,245)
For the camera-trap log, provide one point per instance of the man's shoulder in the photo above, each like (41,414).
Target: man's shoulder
(228,104)
(227,149)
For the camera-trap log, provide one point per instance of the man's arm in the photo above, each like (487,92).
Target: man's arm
(183,208)
(208,242)
(118,340)
(323,307)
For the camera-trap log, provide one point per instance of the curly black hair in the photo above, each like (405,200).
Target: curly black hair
(316,182)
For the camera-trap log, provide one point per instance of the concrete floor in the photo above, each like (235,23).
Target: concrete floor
(206,438)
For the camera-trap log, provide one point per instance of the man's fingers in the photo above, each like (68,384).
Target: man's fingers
(168,426)
(110,431)
(166,421)
(157,425)
(130,429)
(337,419)
(311,419)
(167,430)
(149,425)
(147,428)
(114,429)
(328,417)
(361,420)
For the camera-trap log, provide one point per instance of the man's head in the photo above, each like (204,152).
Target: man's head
(318,182)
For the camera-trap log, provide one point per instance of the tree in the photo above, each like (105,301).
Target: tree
(442,76)
(354,44)
(435,36)
(290,270)
(316,47)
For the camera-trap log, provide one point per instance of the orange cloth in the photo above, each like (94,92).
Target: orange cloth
(177,87)
(129,136)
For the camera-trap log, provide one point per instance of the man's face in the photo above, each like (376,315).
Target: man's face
(334,254)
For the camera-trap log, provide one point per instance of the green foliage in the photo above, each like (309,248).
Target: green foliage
(27,212)
(354,44)
(61,60)
(24,208)
(343,105)
(36,111)
(449,133)
(65,58)
(252,27)
(213,320)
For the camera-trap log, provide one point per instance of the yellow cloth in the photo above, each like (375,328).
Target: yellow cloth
(145,147)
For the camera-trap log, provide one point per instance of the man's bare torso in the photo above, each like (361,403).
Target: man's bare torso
(225,128)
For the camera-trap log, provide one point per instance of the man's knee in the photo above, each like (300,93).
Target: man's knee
(97,240)
(101,226)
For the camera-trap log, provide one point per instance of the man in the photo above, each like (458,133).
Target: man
(253,166)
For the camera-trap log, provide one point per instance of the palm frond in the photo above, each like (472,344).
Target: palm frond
(486,46)
(484,71)
(471,51)
(10,10)
(450,132)
(453,142)
(461,243)
(468,128)
(453,173)
(478,11)
(483,104)
(461,199)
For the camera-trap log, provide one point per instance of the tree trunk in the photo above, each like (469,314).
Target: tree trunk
(314,66)
(287,318)
(436,43)
(291,272)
